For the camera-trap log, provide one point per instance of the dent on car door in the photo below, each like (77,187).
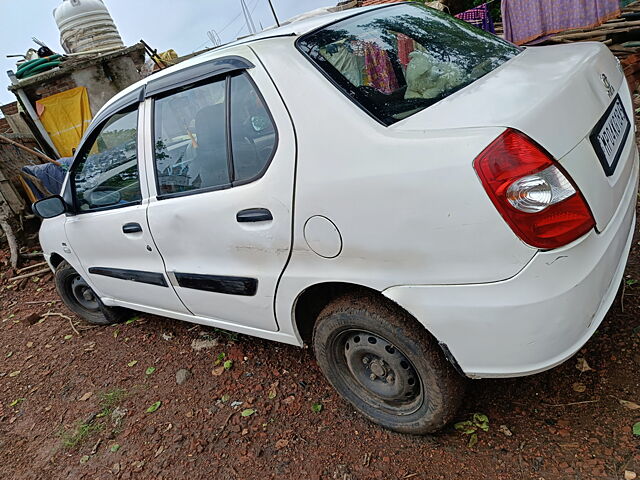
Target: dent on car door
(221,216)
(108,231)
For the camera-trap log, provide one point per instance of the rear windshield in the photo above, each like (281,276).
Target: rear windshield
(398,60)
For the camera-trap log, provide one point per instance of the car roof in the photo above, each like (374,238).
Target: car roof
(293,27)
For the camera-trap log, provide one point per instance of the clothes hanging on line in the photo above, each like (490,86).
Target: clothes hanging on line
(526,21)
(478,16)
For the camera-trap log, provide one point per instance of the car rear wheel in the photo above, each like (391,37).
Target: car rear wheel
(78,296)
(386,365)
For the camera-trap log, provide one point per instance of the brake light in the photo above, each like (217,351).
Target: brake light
(532,192)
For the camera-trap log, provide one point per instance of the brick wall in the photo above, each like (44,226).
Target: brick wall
(9,109)
(56,85)
(4,126)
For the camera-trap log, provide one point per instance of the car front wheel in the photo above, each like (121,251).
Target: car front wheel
(78,296)
(386,365)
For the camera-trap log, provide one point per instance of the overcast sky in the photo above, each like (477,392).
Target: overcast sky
(163,24)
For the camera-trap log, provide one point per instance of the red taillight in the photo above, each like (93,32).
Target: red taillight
(532,192)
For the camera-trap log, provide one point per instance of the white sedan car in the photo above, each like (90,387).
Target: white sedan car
(417,199)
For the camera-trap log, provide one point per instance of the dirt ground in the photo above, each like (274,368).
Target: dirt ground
(74,401)
(104,402)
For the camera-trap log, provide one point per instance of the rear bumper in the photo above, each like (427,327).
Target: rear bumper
(538,318)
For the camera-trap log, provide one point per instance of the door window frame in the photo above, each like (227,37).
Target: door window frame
(215,75)
(128,104)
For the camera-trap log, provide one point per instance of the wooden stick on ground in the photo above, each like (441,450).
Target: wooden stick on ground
(31,151)
(32,274)
(11,238)
(30,267)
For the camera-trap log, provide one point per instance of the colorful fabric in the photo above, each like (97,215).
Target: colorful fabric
(405,47)
(380,73)
(478,16)
(527,20)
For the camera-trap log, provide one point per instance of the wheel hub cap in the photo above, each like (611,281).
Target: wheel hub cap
(83,293)
(382,371)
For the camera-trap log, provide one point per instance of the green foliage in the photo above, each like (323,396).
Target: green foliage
(110,400)
(77,435)
(316,407)
(220,358)
(478,422)
(154,407)
(636,429)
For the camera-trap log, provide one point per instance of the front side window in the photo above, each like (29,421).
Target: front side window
(107,173)
(396,61)
(212,136)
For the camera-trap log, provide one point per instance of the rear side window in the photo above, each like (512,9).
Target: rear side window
(107,174)
(212,136)
(396,61)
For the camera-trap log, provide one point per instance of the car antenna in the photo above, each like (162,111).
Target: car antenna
(274,13)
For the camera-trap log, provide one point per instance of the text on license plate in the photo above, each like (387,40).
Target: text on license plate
(610,134)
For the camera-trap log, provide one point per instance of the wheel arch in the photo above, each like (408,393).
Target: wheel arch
(55,259)
(314,298)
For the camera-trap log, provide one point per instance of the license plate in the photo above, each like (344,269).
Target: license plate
(609,135)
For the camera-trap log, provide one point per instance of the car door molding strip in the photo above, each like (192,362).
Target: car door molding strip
(218,283)
(152,278)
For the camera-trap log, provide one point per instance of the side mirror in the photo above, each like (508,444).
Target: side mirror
(103,197)
(49,207)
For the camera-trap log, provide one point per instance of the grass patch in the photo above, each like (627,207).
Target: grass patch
(110,400)
(83,430)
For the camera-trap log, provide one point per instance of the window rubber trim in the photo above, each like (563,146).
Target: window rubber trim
(229,79)
(102,119)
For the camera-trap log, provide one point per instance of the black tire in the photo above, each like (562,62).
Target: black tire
(81,299)
(415,389)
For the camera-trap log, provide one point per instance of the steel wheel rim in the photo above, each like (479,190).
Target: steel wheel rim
(378,372)
(83,294)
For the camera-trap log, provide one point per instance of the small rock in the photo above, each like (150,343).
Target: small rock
(505,430)
(630,475)
(203,344)
(281,443)
(167,336)
(115,468)
(85,397)
(32,318)
(117,415)
(579,387)
(182,376)
(178,438)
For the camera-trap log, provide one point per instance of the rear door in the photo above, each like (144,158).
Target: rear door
(221,201)
(109,232)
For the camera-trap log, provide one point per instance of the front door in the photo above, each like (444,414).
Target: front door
(222,208)
(109,231)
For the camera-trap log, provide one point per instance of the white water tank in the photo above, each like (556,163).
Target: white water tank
(86,25)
